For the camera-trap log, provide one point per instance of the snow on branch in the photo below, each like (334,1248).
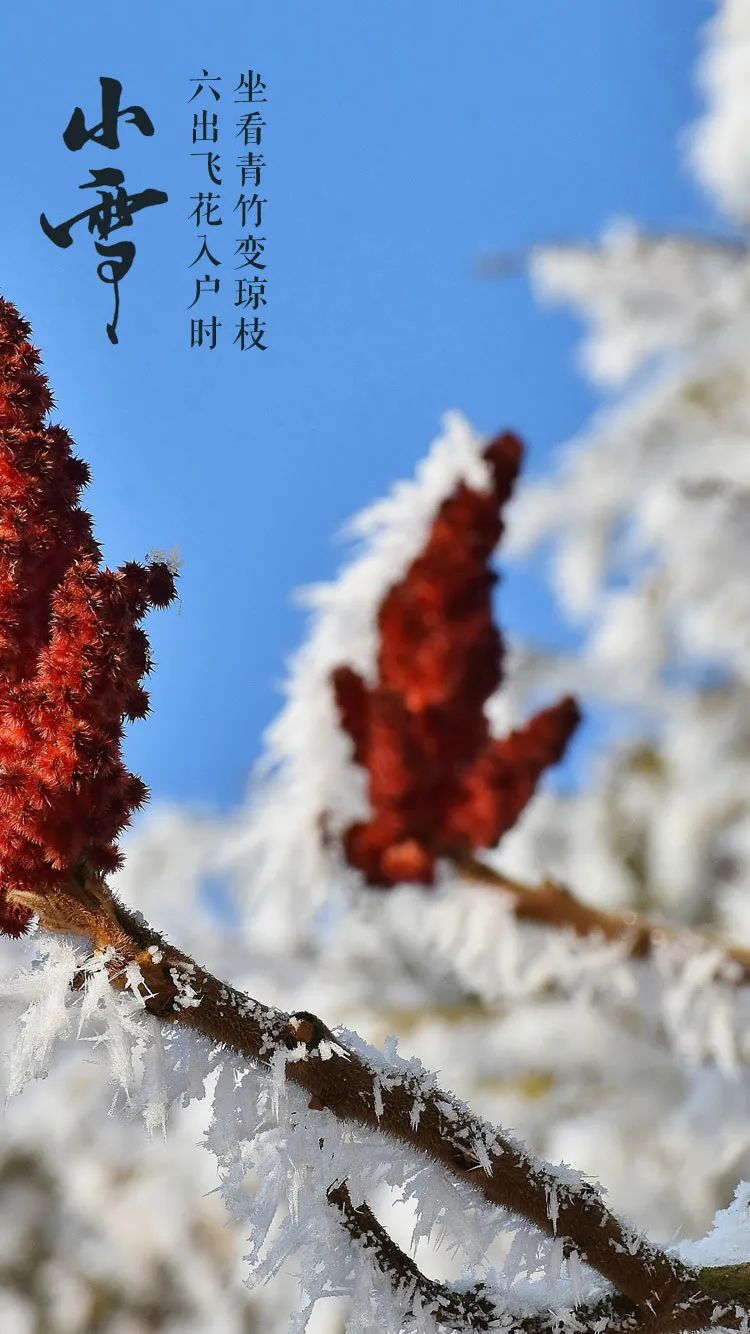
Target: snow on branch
(552,904)
(483,1308)
(134,969)
(471,1309)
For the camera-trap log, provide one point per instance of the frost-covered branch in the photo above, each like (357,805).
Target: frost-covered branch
(471,1310)
(554,905)
(359,1086)
(478,1308)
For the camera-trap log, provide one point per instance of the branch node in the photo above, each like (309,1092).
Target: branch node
(307,1028)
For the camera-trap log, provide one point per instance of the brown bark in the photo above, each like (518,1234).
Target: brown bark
(476,1309)
(344,1083)
(554,905)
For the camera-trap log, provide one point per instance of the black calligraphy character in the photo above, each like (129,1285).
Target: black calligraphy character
(209,80)
(245,205)
(205,128)
(208,204)
(114,210)
(214,159)
(251,165)
(203,285)
(250,292)
(250,127)
(250,334)
(250,88)
(204,250)
(251,248)
(202,330)
(105,133)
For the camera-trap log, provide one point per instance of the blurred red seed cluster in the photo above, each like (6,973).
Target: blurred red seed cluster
(72,654)
(439,784)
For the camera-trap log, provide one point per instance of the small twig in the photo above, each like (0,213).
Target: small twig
(471,1310)
(552,904)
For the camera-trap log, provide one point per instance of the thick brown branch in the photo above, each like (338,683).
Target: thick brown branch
(552,904)
(479,1309)
(393,1100)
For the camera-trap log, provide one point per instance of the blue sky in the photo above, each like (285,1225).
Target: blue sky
(403,142)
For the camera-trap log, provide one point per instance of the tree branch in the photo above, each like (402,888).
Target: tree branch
(471,1310)
(477,1309)
(398,1102)
(552,904)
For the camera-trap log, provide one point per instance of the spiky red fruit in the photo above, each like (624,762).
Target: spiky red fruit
(72,654)
(439,784)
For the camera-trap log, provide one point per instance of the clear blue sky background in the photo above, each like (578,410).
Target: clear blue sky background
(404,142)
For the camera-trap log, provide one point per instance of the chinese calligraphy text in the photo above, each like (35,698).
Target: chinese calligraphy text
(116,206)
(248,281)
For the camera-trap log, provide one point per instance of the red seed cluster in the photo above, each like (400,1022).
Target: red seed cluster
(439,784)
(72,654)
